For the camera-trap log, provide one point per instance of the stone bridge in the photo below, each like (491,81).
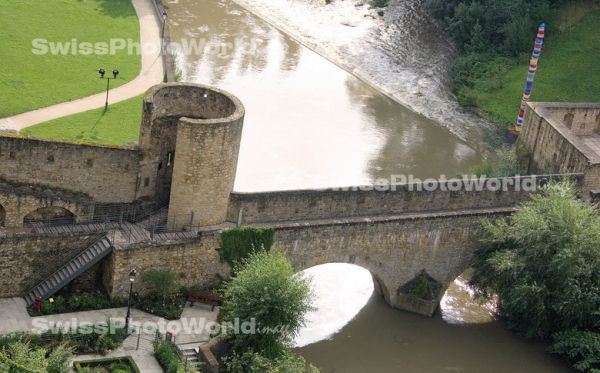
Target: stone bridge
(187,157)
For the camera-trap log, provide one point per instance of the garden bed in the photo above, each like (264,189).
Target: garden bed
(117,365)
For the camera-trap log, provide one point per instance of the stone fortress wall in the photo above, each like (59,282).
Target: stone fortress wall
(186,159)
(564,138)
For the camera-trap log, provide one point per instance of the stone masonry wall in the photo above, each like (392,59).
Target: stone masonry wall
(318,204)
(25,261)
(580,118)
(555,147)
(195,263)
(17,202)
(394,248)
(107,174)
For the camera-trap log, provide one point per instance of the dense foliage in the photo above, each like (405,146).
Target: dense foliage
(169,360)
(504,26)
(503,162)
(117,365)
(18,356)
(489,35)
(266,295)
(252,362)
(544,264)
(238,243)
(87,341)
(75,303)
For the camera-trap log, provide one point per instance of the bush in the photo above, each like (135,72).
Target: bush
(252,362)
(582,347)
(170,308)
(544,264)
(75,303)
(86,341)
(265,290)
(166,354)
(238,243)
(160,283)
(503,164)
(21,356)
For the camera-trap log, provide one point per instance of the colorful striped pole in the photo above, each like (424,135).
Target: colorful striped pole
(535,56)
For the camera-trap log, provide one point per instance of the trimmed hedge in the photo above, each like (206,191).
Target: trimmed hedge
(238,243)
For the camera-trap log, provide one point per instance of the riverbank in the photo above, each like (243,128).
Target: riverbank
(402,53)
(568,72)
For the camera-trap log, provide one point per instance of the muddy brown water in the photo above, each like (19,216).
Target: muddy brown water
(310,124)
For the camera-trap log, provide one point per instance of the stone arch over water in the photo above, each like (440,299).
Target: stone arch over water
(51,215)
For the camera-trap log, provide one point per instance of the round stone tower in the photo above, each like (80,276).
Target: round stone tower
(190,141)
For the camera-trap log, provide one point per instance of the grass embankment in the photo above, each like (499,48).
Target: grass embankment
(29,81)
(120,125)
(568,71)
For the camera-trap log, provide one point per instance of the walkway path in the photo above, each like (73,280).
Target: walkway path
(151,73)
(14,318)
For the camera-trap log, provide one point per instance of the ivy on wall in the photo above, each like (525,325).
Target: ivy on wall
(238,243)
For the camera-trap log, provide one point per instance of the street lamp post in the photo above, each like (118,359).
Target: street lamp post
(132,275)
(102,72)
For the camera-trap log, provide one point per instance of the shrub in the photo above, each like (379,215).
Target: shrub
(20,356)
(169,360)
(544,264)
(582,347)
(238,243)
(265,290)
(160,282)
(252,362)
(75,303)
(170,308)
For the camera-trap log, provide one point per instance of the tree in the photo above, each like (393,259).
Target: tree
(19,357)
(266,290)
(544,264)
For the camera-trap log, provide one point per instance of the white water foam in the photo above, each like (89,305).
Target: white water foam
(340,292)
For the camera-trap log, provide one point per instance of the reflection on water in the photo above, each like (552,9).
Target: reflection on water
(381,339)
(309,124)
(340,291)
(459,305)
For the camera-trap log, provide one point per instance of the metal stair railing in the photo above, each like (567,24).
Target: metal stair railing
(71,270)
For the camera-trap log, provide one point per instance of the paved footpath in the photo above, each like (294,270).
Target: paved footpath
(151,73)
(14,318)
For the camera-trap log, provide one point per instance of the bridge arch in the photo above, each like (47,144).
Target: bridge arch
(50,215)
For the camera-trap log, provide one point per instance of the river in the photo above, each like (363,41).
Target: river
(309,124)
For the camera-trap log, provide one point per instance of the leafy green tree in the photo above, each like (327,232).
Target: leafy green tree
(581,346)
(266,290)
(544,264)
(20,357)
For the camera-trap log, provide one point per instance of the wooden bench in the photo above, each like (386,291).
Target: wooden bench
(204,296)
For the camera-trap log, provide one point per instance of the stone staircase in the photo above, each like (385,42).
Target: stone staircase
(68,272)
(189,355)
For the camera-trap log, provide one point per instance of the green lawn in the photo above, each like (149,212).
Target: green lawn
(568,71)
(29,81)
(120,125)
